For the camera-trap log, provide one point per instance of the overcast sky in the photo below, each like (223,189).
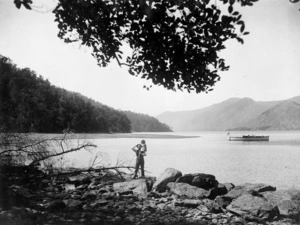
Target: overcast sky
(265,68)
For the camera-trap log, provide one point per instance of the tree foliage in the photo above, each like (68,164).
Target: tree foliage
(175,43)
(145,123)
(29,103)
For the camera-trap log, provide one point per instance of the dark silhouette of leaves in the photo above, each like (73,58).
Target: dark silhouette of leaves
(175,43)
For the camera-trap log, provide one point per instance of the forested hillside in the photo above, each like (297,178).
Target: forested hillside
(145,123)
(28,103)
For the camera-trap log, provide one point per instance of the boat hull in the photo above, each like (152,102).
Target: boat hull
(249,138)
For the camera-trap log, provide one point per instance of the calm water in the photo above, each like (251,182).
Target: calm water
(276,162)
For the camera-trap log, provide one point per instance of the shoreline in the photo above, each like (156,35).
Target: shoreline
(166,135)
(172,198)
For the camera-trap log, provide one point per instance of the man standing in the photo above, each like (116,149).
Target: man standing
(140,151)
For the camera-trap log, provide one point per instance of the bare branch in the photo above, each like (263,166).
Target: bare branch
(62,153)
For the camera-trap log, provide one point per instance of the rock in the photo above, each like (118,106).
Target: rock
(169,175)
(71,203)
(253,189)
(70,187)
(102,190)
(201,180)
(287,201)
(128,185)
(253,207)
(183,189)
(216,191)
(99,203)
(191,203)
(55,205)
(126,192)
(79,179)
(203,208)
(141,190)
(89,194)
(161,206)
(229,186)
(212,206)
(223,201)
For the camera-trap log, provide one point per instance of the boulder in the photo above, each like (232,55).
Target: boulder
(141,190)
(253,207)
(183,189)
(253,189)
(169,175)
(223,201)
(287,201)
(217,191)
(212,206)
(128,185)
(229,186)
(201,180)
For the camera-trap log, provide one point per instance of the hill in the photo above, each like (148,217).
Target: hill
(28,103)
(238,114)
(144,123)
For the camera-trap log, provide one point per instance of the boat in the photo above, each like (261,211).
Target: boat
(249,138)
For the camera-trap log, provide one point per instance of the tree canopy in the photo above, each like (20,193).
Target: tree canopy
(31,104)
(175,43)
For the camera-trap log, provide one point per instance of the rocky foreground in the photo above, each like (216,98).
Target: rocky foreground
(172,198)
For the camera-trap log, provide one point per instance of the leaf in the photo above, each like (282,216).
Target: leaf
(18,3)
(230,9)
(246,33)
(242,28)
(240,40)
(27,6)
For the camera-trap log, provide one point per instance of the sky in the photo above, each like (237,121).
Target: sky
(265,68)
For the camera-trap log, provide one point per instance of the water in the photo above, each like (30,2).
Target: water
(276,162)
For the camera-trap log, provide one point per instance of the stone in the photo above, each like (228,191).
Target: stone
(127,192)
(99,203)
(71,203)
(79,179)
(55,205)
(203,208)
(141,190)
(161,206)
(253,207)
(253,189)
(128,185)
(70,187)
(89,194)
(287,201)
(212,206)
(201,180)
(223,201)
(183,189)
(229,186)
(217,191)
(169,175)
(191,202)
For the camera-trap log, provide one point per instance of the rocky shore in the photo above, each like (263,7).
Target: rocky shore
(172,198)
